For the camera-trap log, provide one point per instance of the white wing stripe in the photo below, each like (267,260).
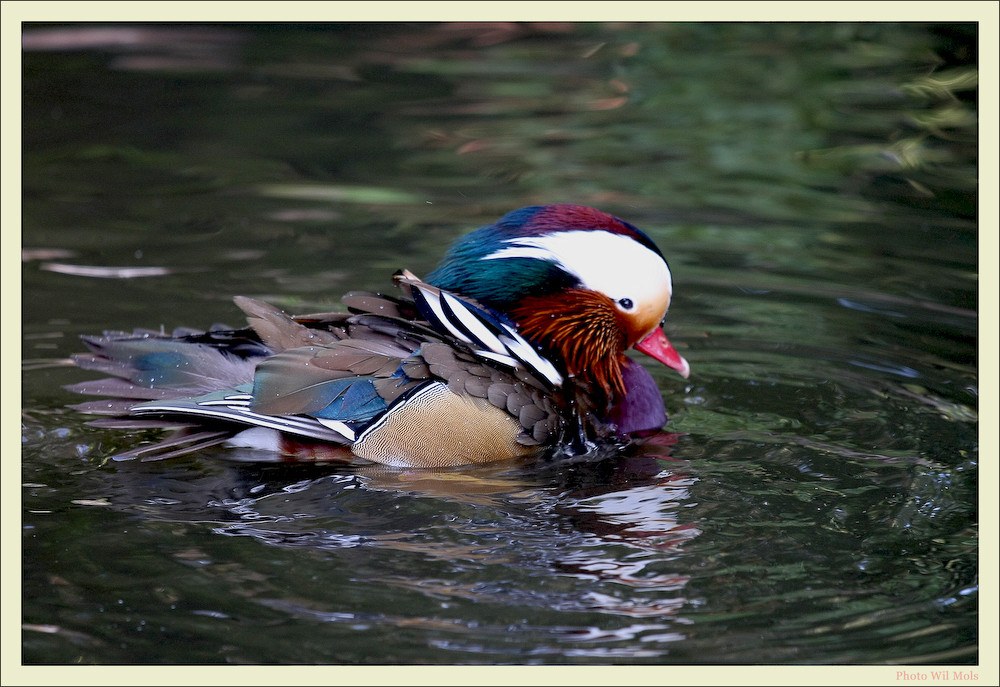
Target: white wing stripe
(473,324)
(433,301)
(523,351)
(229,402)
(511,348)
(502,358)
(304,426)
(338,427)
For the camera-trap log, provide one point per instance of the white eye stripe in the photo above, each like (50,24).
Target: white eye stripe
(613,264)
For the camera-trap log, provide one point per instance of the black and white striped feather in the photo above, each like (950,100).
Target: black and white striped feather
(485,333)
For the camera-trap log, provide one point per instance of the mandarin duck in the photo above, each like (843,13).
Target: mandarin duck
(514,344)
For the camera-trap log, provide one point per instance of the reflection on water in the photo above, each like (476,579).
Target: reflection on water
(814,188)
(447,538)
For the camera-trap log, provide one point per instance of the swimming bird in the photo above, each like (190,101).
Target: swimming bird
(516,343)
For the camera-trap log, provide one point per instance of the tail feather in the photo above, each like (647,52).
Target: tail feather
(150,423)
(121,389)
(162,367)
(182,442)
(235,409)
(277,330)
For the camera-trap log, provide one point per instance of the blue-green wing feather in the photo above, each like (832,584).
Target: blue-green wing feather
(349,381)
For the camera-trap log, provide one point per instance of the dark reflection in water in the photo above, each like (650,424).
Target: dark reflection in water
(559,542)
(815,498)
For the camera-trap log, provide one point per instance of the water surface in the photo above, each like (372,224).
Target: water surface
(814,189)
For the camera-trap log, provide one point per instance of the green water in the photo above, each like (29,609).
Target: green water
(814,189)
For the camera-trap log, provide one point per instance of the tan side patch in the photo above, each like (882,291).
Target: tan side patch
(439,428)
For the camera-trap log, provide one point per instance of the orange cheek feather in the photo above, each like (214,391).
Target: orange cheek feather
(583,329)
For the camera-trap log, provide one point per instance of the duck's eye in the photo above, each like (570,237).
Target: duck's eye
(626,303)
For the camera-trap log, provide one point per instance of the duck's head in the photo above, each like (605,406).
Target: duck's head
(581,285)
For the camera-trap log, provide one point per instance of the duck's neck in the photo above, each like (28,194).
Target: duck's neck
(580,331)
